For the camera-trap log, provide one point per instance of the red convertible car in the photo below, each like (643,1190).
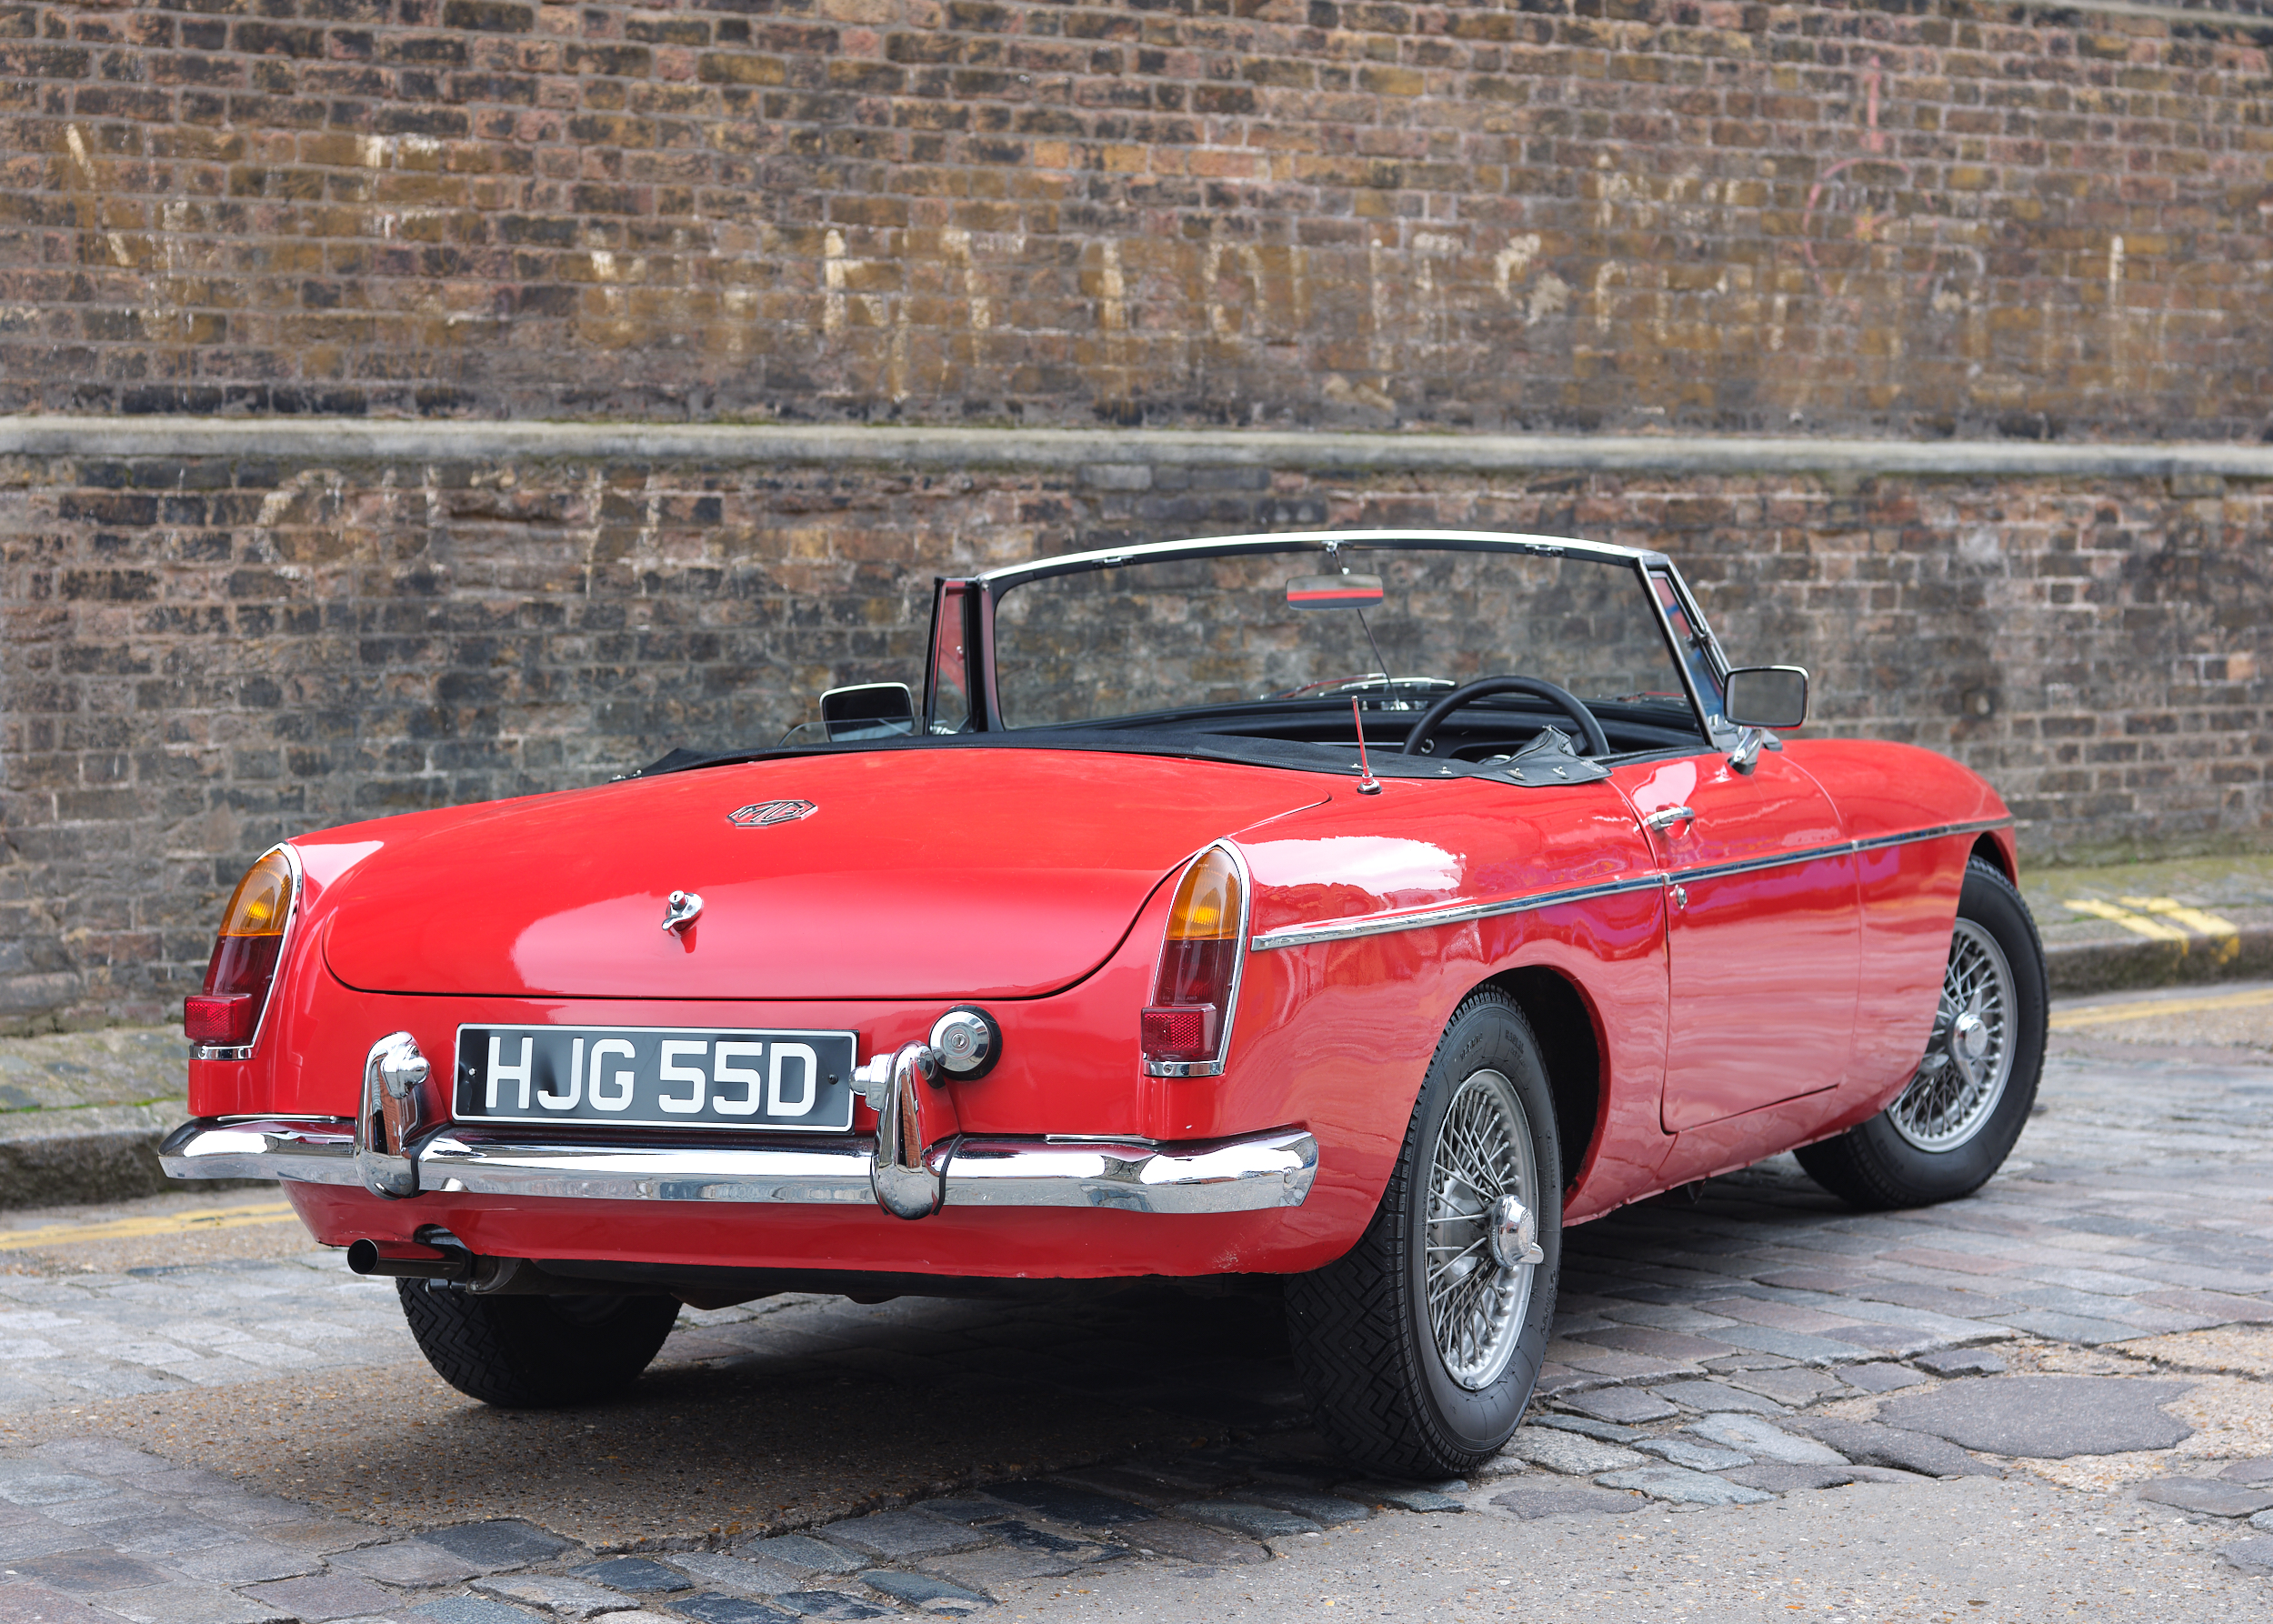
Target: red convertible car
(1358,910)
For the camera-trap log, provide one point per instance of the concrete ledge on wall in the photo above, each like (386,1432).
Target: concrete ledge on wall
(448,440)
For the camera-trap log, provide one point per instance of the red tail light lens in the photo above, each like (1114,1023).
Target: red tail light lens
(243,967)
(1183,1031)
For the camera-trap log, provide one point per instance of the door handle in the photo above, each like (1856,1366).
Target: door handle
(1669,817)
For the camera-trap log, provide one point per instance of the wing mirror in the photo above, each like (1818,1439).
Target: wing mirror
(869,710)
(1758,697)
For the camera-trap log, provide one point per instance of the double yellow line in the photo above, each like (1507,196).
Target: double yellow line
(137,1229)
(2165,919)
(2102,1014)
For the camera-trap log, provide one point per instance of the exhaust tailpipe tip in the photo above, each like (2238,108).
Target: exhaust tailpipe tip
(405,1260)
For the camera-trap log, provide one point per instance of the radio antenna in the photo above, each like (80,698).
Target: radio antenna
(1366,783)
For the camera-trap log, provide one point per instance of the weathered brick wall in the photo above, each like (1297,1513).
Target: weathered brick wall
(198,657)
(1932,218)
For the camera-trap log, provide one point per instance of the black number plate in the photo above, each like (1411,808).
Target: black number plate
(656,1077)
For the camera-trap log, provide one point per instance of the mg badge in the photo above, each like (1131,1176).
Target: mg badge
(757,815)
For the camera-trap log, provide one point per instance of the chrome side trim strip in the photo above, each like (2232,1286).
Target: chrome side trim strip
(1462,913)
(298,1150)
(1451,913)
(1255,1173)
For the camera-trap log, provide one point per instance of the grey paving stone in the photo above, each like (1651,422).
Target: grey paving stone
(189,1604)
(923,1590)
(1561,1451)
(1625,1406)
(985,1569)
(48,1490)
(968,1508)
(248,1561)
(2207,1495)
(1174,1537)
(2072,1328)
(498,1544)
(1683,1487)
(1795,1385)
(1714,1396)
(39,1538)
(799,1551)
(162,1535)
(1610,1432)
(22,1602)
(636,1575)
(711,1608)
(408,1562)
(1762,1440)
(1403,1497)
(473,1609)
(1672,1346)
(1532,1503)
(319,1598)
(738,1573)
(902,1536)
(1700,1457)
(93,1572)
(1799,1346)
(2045,1416)
(1880,1379)
(1327,1510)
(1783,1479)
(2249,1471)
(1871,1443)
(1245,1516)
(569,1598)
(1079,1508)
(2263,1519)
(2251,1556)
(828,1604)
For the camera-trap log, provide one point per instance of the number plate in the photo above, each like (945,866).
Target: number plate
(656,1077)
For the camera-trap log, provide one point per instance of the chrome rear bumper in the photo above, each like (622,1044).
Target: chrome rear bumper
(1251,1173)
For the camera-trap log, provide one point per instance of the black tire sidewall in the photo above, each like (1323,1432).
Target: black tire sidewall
(1487,1035)
(1989,901)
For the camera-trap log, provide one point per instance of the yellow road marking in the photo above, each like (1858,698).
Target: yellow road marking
(2154,931)
(133,1228)
(2105,1014)
(2224,932)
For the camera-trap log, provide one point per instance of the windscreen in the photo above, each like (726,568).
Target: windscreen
(1166,634)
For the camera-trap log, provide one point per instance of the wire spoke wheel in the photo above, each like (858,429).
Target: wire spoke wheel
(1969,1057)
(1480,1239)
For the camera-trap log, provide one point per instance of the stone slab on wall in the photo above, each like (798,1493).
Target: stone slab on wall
(1947,216)
(201,655)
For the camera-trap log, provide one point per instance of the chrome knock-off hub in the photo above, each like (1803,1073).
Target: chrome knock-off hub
(1514,1233)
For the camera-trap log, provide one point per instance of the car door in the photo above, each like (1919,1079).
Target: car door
(1763,931)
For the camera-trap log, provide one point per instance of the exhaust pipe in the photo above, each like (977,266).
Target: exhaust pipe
(408,1260)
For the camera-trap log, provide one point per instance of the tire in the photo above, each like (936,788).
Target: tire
(535,1352)
(1957,1121)
(1392,1387)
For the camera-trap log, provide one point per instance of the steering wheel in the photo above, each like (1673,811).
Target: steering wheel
(1597,743)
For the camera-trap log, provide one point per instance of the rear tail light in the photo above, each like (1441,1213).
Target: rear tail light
(1185,1028)
(243,967)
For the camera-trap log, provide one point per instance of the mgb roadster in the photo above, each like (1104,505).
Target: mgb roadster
(1347,912)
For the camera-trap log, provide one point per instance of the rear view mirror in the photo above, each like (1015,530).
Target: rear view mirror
(1332,592)
(1772,697)
(869,710)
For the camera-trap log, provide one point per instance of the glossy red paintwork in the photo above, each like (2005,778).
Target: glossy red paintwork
(920,874)
(1779,1006)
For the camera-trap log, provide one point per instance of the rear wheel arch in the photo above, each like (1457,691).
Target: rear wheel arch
(1987,850)
(1563,1024)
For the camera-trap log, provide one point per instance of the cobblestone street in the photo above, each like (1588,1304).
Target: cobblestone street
(2050,1397)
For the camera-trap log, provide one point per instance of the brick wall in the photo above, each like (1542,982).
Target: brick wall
(1933,218)
(200,656)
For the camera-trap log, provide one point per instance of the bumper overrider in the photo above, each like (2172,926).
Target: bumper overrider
(386,1150)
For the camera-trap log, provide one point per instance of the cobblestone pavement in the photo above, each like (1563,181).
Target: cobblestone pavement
(2056,1395)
